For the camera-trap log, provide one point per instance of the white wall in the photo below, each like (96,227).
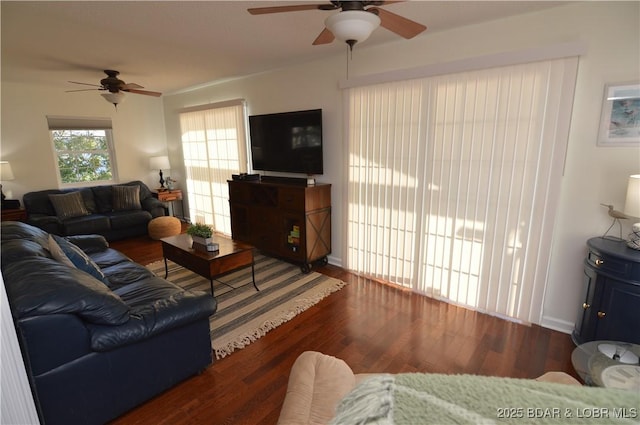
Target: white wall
(592,174)
(138,131)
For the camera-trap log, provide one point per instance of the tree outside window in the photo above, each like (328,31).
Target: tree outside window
(83,155)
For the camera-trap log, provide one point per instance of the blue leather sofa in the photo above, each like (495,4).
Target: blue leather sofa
(101,214)
(99,333)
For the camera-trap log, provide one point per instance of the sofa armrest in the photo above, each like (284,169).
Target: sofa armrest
(53,340)
(154,206)
(153,318)
(89,243)
(559,378)
(317,383)
(48,223)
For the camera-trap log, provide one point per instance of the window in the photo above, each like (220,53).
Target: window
(83,150)
(214,148)
(453,182)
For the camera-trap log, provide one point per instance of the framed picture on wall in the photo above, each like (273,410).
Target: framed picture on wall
(620,120)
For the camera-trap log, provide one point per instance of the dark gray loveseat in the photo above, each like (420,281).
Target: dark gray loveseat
(105,212)
(99,333)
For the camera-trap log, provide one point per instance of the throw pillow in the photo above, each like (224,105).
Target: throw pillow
(68,205)
(126,198)
(79,259)
(57,253)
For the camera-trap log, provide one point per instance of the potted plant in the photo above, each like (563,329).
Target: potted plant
(201,234)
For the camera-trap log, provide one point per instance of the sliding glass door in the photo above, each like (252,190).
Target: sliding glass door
(453,182)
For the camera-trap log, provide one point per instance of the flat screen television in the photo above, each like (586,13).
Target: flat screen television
(289,142)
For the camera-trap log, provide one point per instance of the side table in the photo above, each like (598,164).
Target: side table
(610,308)
(171,196)
(14,214)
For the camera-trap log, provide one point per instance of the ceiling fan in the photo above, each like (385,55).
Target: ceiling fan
(116,88)
(355,22)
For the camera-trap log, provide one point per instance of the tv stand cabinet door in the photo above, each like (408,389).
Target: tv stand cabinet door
(318,235)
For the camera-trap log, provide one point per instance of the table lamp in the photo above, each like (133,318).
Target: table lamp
(632,209)
(160,163)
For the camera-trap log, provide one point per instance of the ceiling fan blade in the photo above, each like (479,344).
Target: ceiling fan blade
(69,91)
(325,37)
(129,86)
(279,9)
(400,25)
(146,92)
(85,84)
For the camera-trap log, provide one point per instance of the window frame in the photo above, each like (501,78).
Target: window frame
(83,124)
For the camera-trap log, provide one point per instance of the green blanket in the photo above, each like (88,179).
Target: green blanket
(416,398)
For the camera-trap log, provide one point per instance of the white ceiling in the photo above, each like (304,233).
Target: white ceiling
(172,45)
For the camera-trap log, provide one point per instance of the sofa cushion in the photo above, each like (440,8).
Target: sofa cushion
(126,198)
(40,286)
(79,259)
(103,196)
(126,219)
(86,225)
(107,258)
(125,273)
(68,205)
(88,199)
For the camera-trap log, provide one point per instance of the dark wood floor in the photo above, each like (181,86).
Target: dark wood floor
(372,326)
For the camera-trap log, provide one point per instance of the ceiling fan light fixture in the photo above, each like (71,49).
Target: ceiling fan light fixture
(352,26)
(114,98)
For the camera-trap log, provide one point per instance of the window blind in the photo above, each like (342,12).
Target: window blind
(78,123)
(453,182)
(214,147)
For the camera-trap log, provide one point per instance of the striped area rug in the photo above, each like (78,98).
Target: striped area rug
(244,314)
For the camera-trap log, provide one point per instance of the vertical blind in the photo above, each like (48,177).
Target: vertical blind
(213,147)
(453,182)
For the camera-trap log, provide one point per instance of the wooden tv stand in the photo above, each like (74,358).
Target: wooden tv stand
(285,219)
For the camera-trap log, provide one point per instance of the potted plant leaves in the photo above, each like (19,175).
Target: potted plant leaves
(201,234)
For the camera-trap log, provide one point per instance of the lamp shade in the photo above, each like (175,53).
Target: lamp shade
(6,173)
(159,163)
(114,98)
(352,25)
(632,204)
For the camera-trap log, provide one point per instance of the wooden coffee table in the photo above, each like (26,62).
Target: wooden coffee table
(231,256)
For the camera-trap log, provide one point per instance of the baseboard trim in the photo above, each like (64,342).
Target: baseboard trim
(557,325)
(335,261)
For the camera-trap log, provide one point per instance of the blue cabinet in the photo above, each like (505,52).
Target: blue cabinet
(611,307)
